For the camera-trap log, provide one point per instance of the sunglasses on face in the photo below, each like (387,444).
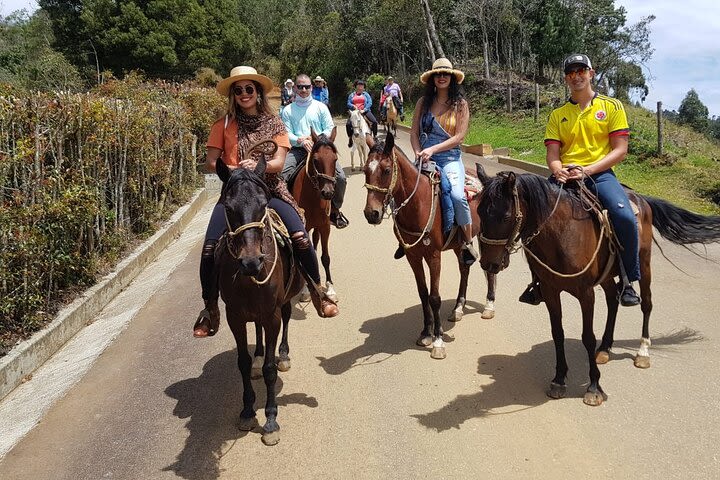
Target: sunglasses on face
(249,89)
(303,87)
(443,74)
(577,71)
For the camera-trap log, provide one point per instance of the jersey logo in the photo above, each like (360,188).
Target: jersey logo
(563,120)
(600,115)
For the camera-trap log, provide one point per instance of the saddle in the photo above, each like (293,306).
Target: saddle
(293,175)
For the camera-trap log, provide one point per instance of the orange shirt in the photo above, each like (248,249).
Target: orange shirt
(225,138)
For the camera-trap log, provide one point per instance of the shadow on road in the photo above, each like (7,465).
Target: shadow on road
(212,402)
(391,335)
(520,380)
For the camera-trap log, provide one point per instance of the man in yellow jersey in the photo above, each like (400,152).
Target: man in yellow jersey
(591,131)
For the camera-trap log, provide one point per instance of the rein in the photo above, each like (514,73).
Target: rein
(265,220)
(314,175)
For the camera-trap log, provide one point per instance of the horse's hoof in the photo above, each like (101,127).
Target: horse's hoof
(247,424)
(256,369)
(424,341)
(594,398)
(556,391)
(283,365)
(438,353)
(456,316)
(487,314)
(642,361)
(271,438)
(602,357)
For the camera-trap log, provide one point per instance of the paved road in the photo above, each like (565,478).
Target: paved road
(362,400)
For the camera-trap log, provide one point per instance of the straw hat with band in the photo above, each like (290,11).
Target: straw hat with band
(319,79)
(442,65)
(243,73)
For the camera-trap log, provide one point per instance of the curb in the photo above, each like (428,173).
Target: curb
(29,354)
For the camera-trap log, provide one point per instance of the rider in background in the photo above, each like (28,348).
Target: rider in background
(584,139)
(393,90)
(249,119)
(320,91)
(287,94)
(304,114)
(360,100)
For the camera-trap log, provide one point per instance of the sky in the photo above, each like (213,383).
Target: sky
(687,50)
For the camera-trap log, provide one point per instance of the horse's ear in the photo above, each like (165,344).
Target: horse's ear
(369,140)
(313,135)
(511,178)
(261,167)
(222,170)
(389,143)
(482,176)
(332,135)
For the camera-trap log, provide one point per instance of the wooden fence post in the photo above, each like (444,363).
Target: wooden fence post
(659,129)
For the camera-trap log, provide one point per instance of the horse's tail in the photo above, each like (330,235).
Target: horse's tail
(682,226)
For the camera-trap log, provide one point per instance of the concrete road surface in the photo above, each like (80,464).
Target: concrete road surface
(362,400)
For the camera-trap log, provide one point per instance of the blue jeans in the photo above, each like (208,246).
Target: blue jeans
(454,170)
(613,197)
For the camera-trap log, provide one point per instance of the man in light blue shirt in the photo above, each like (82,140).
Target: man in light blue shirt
(302,115)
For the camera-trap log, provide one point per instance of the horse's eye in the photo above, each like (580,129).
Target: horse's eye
(387,171)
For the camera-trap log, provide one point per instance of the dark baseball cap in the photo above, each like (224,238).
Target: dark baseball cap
(576,59)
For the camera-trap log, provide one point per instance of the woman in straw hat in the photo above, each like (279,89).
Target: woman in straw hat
(439,125)
(287,94)
(249,119)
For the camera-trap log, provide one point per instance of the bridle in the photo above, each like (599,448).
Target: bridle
(512,243)
(264,221)
(390,189)
(315,174)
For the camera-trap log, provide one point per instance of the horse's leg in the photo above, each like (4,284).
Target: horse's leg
(352,158)
(415,262)
(247,420)
(259,355)
(438,350)
(489,310)
(325,258)
(602,355)
(457,313)
(271,429)
(594,395)
(558,388)
(283,363)
(642,358)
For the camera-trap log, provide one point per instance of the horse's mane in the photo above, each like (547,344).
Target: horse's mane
(536,192)
(246,175)
(323,141)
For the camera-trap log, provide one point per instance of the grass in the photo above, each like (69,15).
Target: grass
(688,174)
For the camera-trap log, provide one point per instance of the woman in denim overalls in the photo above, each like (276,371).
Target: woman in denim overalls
(440,122)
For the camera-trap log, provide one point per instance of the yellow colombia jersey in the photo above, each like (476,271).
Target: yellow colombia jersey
(584,137)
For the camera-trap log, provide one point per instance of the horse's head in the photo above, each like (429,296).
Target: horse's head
(245,197)
(358,123)
(497,211)
(323,158)
(381,172)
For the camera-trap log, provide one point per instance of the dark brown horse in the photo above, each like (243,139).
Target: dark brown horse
(567,251)
(393,182)
(313,189)
(257,279)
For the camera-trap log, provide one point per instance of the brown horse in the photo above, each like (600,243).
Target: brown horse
(391,116)
(313,189)
(567,251)
(394,183)
(257,278)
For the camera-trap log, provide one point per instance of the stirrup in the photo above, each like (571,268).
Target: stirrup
(628,297)
(399,253)
(324,307)
(469,254)
(207,323)
(531,295)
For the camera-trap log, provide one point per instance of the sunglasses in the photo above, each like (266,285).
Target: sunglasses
(303,87)
(443,74)
(576,71)
(249,89)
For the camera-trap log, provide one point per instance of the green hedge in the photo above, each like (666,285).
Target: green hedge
(81,177)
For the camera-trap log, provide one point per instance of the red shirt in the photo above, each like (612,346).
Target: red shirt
(359,101)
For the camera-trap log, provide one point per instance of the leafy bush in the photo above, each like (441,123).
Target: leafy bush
(82,175)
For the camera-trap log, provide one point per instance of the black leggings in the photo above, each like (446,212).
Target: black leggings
(302,246)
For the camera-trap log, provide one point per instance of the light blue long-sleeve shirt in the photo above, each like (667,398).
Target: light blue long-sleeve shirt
(299,120)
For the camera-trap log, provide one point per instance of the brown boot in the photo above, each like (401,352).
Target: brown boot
(208,320)
(325,307)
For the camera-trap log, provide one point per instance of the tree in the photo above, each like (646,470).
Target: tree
(693,112)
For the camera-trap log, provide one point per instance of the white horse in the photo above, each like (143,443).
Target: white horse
(359,139)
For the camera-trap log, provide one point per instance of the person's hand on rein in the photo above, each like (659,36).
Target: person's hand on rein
(306,143)
(569,173)
(248,163)
(425,154)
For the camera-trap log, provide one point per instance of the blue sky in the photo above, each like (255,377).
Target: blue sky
(684,35)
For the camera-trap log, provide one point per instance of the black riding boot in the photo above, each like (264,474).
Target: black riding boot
(208,320)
